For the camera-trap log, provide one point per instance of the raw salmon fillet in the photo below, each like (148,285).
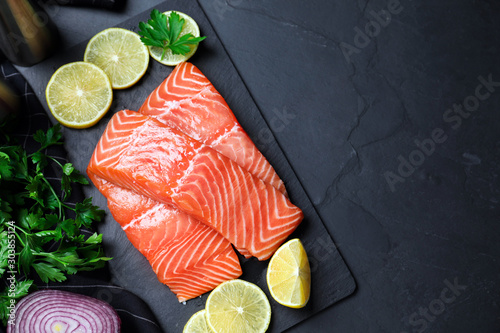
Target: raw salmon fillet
(143,155)
(188,101)
(186,255)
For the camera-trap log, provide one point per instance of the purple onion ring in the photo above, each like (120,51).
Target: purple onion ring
(56,311)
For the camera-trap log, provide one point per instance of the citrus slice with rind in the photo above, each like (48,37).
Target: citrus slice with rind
(197,323)
(238,306)
(121,54)
(289,275)
(79,94)
(170,59)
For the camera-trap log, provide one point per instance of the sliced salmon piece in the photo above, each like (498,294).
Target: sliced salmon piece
(141,154)
(187,101)
(186,255)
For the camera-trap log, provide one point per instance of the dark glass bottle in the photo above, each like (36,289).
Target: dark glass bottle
(27,34)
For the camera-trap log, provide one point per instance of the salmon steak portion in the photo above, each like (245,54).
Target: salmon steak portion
(141,154)
(186,255)
(187,101)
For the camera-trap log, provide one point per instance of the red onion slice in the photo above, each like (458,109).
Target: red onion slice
(56,311)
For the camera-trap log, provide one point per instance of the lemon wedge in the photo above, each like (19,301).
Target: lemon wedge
(289,275)
(121,54)
(238,306)
(197,323)
(170,59)
(79,94)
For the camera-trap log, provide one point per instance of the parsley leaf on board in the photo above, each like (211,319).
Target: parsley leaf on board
(48,272)
(46,229)
(163,32)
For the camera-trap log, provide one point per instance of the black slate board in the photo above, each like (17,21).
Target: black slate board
(331,279)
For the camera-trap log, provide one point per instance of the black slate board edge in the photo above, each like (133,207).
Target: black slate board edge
(320,247)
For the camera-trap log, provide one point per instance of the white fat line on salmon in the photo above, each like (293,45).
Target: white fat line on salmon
(138,220)
(102,152)
(179,250)
(167,106)
(236,210)
(191,72)
(221,137)
(189,169)
(208,91)
(173,251)
(184,87)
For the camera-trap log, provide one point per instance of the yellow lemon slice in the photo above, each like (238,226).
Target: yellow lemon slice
(197,324)
(79,94)
(289,275)
(238,306)
(170,59)
(121,54)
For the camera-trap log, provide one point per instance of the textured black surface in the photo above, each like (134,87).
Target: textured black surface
(353,121)
(331,278)
(348,123)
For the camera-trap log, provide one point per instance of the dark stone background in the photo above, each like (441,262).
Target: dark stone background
(353,121)
(424,251)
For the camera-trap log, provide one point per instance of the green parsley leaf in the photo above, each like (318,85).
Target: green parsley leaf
(32,220)
(164,33)
(5,210)
(22,218)
(4,308)
(5,167)
(48,235)
(71,175)
(70,228)
(36,188)
(34,212)
(48,222)
(40,160)
(26,258)
(180,46)
(22,288)
(175,24)
(86,213)
(94,239)
(3,251)
(51,137)
(13,163)
(48,272)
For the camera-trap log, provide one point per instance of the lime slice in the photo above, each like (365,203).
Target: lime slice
(289,275)
(238,306)
(121,54)
(170,59)
(79,94)
(197,324)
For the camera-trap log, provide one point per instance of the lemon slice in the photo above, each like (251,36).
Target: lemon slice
(238,306)
(170,59)
(121,54)
(289,275)
(79,94)
(197,324)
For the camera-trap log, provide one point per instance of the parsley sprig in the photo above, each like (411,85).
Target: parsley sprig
(35,212)
(164,32)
